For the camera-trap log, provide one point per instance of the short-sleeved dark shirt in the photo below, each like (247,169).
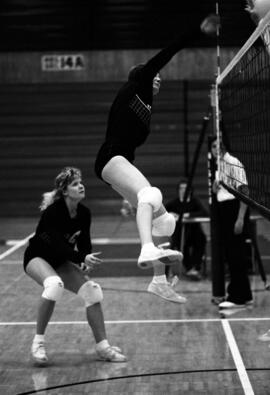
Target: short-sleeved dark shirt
(59,237)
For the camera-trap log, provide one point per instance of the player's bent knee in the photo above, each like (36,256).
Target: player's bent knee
(150,195)
(53,288)
(91,293)
(164,225)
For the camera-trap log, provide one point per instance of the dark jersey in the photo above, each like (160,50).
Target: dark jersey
(130,114)
(193,231)
(193,206)
(58,237)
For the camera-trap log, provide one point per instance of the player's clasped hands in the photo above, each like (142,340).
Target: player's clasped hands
(90,261)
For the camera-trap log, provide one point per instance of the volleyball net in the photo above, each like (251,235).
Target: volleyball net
(243,121)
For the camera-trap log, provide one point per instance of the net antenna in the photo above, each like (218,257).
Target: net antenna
(216,93)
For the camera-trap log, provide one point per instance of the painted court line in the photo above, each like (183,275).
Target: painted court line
(106,260)
(117,322)
(16,246)
(120,322)
(9,252)
(95,241)
(242,373)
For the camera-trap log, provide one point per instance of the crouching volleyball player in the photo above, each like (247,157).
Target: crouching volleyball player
(128,128)
(53,262)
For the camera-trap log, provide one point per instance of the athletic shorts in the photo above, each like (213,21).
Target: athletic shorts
(33,251)
(110,150)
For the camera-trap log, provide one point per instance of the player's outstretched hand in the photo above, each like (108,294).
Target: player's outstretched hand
(210,24)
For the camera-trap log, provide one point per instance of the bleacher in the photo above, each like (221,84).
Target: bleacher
(44,127)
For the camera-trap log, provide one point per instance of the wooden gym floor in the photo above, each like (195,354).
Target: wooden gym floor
(171,348)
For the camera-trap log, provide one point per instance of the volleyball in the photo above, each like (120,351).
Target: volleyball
(261,8)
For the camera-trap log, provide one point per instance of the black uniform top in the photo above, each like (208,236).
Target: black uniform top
(129,117)
(193,206)
(58,234)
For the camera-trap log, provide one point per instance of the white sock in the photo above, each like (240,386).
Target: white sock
(160,279)
(147,247)
(103,344)
(39,338)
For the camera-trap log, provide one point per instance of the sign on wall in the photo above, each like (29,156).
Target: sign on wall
(75,62)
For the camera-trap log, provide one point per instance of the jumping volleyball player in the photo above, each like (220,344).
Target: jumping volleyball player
(53,262)
(128,128)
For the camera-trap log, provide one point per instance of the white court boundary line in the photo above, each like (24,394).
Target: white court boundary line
(96,241)
(105,260)
(120,322)
(117,322)
(242,373)
(19,244)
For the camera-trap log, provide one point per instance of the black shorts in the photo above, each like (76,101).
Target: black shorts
(33,251)
(110,150)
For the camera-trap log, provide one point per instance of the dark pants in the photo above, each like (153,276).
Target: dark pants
(238,290)
(194,245)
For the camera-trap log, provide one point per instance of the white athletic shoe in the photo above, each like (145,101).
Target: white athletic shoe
(230,305)
(166,256)
(165,291)
(39,353)
(111,354)
(117,349)
(224,313)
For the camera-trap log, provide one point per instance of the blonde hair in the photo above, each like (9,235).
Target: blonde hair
(61,182)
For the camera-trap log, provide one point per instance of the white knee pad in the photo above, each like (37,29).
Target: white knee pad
(91,293)
(150,195)
(53,288)
(163,225)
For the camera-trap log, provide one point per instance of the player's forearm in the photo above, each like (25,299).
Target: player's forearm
(242,210)
(155,64)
